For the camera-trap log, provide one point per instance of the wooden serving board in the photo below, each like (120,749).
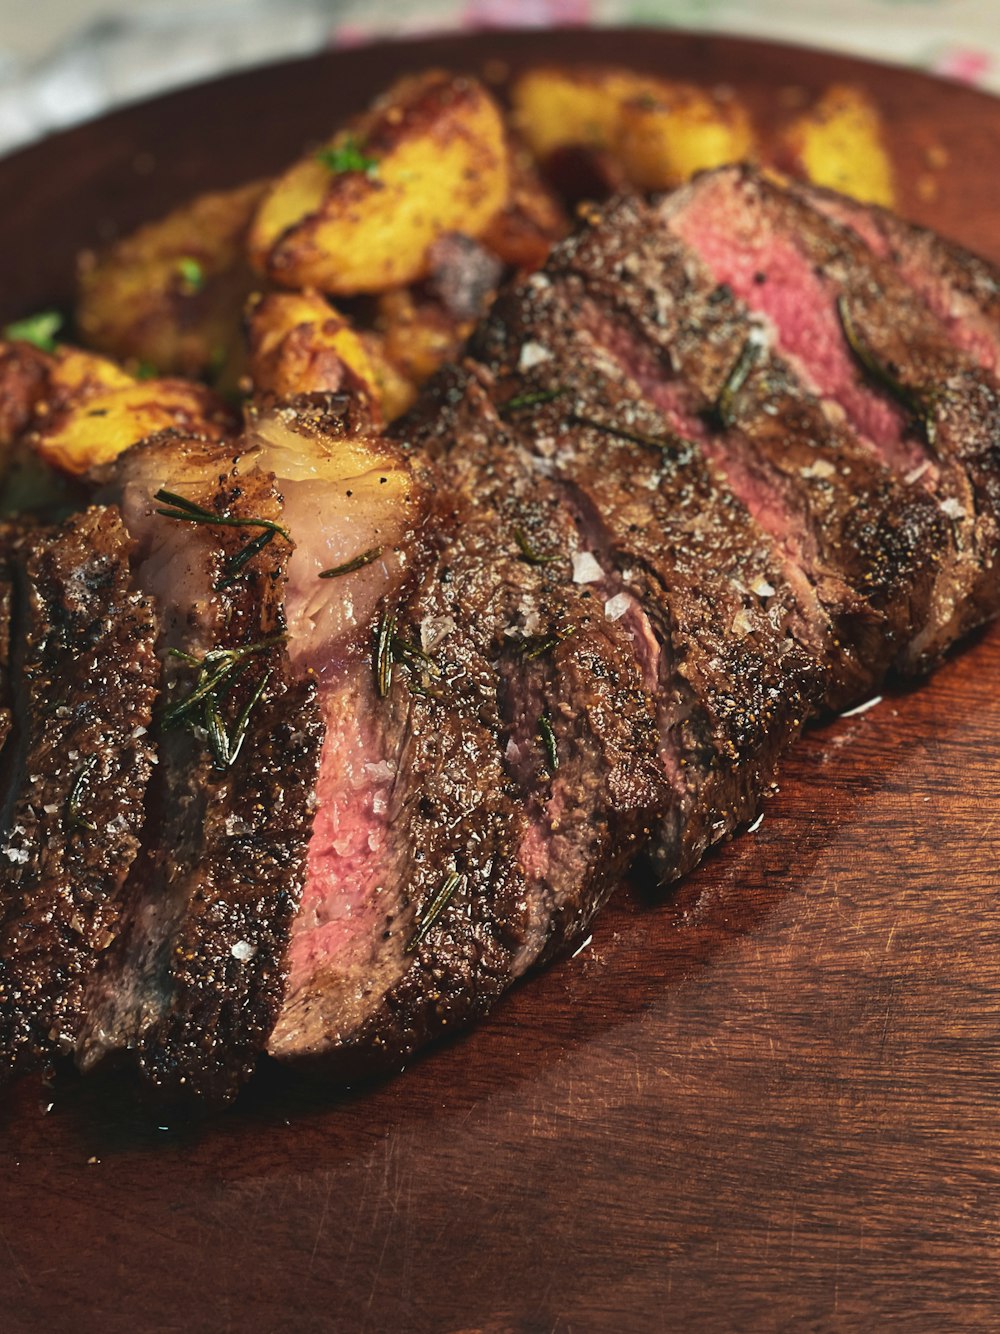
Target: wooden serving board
(770,1100)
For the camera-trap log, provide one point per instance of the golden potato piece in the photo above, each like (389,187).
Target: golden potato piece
(171,295)
(840,143)
(300,345)
(660,132)
(91,411)
(360,215)
(418,334)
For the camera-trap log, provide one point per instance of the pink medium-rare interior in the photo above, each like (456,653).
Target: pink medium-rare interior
(340,910)
(772,277)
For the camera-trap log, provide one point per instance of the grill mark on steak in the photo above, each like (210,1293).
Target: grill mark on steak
(958,399)
(533,853)
(195,983)
(88,681)
(863,551)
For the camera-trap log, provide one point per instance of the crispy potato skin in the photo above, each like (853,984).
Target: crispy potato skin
(840,143)
(299,344)
(661,133)
(440,163)
(137,301)
(81,410)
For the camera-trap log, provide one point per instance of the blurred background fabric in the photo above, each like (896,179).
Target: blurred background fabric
(63,61)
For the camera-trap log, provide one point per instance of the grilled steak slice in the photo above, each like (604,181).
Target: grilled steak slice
(194,983)
(79,758)
(962,289)
(865,552)
(476,803)
(874,352)
(735,676)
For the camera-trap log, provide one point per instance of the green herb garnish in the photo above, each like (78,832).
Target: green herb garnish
(434,911)
(911,400)
(73,818)
(347,156)
(725,404)
(384,656)
(191,273)
(521,401)
(528,552)
(660,443)
(549,742)
(215,670)
(349,566)
(537,645)
(40,330)
(186,511)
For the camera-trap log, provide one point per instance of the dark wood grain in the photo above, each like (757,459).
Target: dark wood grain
(770,1101)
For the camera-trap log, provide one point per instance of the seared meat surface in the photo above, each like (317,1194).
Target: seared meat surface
(727,462)
(83,678)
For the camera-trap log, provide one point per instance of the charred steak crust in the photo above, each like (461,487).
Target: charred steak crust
(195,982)
(88,678)
(734,684)
(876,353)
(863,549)
(529,821)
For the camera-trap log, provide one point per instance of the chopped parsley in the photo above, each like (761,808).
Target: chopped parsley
(347,155)
(40,330)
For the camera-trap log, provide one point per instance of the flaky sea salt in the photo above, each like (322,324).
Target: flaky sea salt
(585,568)
(617,606)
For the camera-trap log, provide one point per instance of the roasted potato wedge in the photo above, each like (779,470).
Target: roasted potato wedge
(300,345)
(88,410)
(361,214)
(171,295)
(840,143)
(660,132)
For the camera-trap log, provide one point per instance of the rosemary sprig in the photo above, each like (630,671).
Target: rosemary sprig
(384,656)
(437,906)
(232,566)
(528,552)
(226,744)
(534,400)
(660,443)
(914,402)
(187,511)
(179,507)
(356,563)
(408,654)
(725,404)
(536,645)
(214,669)
(191,273)
(549,742)
(73,819)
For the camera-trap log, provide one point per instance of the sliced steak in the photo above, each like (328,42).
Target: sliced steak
(736,676)
(874,352)
(484,781)
(869,555)
(79,757)
(194,984)
(962,289)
